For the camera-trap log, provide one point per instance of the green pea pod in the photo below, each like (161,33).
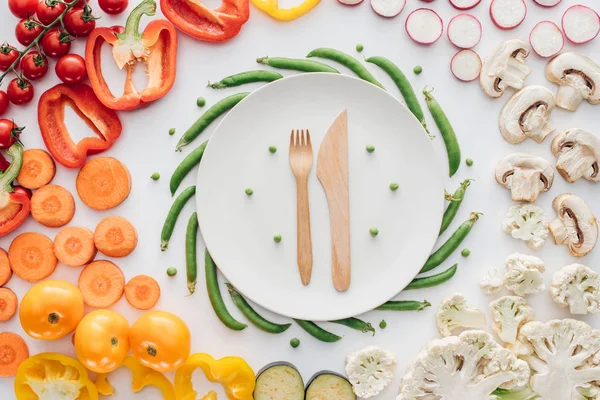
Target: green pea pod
(246,77)
(317,332)
(433,280)
(172,216)
(191,263)
(347,61)
(186,166)
(456,200)
(296,64)
(255,318)
(356,324)
(404,305)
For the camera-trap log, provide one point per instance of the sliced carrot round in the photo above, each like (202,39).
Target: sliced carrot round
(101,284)
(8,304)
(115,237)
(5,270)
(103,183)
(38,169)
(74,246)
(13,351)
(142,292)
(31,256)
(52,206)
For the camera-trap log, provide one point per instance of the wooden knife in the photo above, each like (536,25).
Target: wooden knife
(332,171)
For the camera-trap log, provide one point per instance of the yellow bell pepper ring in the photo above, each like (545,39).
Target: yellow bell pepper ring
(233,373)
(271,7)
(53,376)
(141,377)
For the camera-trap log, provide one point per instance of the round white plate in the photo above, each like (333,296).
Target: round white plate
(238,229)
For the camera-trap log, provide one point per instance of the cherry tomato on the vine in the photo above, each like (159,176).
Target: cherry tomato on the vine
(113,7)
(22,8)
(27,30)
(3,102)
(56,43)
(8,55)
(48,11)
(80,21)
(20,91)
(34,65)
(71,69)
(9,133)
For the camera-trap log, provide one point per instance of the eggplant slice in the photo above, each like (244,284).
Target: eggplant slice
(279,381)
(327,385)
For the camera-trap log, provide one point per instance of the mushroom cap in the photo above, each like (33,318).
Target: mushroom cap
(563,65)
(508,164)
(573,147)
(490,82)
(512,117)
(582,230)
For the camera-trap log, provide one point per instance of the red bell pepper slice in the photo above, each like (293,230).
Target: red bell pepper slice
(156,47)
(51,117)
(200,22)
(14,204)
(3,163)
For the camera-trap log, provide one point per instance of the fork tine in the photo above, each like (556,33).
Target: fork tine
(308,139)
(292,139)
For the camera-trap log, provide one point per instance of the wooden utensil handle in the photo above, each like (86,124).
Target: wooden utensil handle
(339,214)
(305,259)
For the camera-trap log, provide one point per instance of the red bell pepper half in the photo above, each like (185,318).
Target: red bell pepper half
(202,23)
(51,117)
(156,47)
(14,203)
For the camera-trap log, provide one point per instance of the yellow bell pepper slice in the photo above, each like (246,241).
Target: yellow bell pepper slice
(53,376)
(233,373)
(271,7)
(142,376)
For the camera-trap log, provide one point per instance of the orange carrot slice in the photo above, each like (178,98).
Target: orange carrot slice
(74,246)
(5,270)
(142,292)
(8,304)
(52,206)
(115,237)
(31,256)
(38,169)
(101,284)
(103,183)
(13,351)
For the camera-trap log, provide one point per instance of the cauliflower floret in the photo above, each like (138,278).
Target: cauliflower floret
(577,287)
(370,370)
(455,312)
(564,359)
(469,366)
(509,314)
(492,282)
(527,222)
(524,274)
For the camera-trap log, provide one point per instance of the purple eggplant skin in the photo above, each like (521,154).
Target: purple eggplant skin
(350,396)
(271,366)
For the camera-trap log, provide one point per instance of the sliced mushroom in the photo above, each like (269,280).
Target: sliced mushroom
(576,225)
(578,77)
(526,115)
(578,153)
(505,67)
(525,175)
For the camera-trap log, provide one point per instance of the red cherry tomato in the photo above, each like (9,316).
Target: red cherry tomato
(79,21)
(22,8)
(20,91)
(9,133)
(48,11)
(56,43)
(3,102)
(71,69)
(27,31)
(22,190)
(8,55)
(34,65)
(113,7)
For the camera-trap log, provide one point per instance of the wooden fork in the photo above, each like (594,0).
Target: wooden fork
(301,162)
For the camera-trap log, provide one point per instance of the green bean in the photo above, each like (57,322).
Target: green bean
(346,60)
(357,324)
(208,117)
(450,140)
(404,305)
(172,216)
(455,202)
(296,64)
(184,168)
(255,318)
(403,84)
(246,77)
(191,263)
(433,280)
(317,332)
(214,294)
(445,250)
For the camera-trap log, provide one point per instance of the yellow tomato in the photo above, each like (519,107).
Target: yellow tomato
(51,310)
(160,340)
(102,340)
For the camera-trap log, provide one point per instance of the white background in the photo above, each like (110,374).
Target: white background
(145,147)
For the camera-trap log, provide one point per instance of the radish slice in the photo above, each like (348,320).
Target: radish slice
(424,26)
(508,14)
(466,65)
(388,8)
(464,31)
(546,39)
(350,2)
(464,4)
(547,3)
(580,24)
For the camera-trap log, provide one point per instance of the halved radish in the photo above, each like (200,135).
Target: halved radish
(546,39)
(508,14)
(424,26)
(428,1)
(547,3)
(466,65)
(464,4)
(388,8)
(464,31)
(350,2)
(580,24)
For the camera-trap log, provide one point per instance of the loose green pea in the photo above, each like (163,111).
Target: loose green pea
(394,186)
(249,191)
(201,102)
(155,176)
(172,131)
(417,70)
(383,324)
(374,231)
(465,253)
(469,162)
(360,47)
(295,342)
(272,149)
(370,148)
(277,238)
(171,271)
